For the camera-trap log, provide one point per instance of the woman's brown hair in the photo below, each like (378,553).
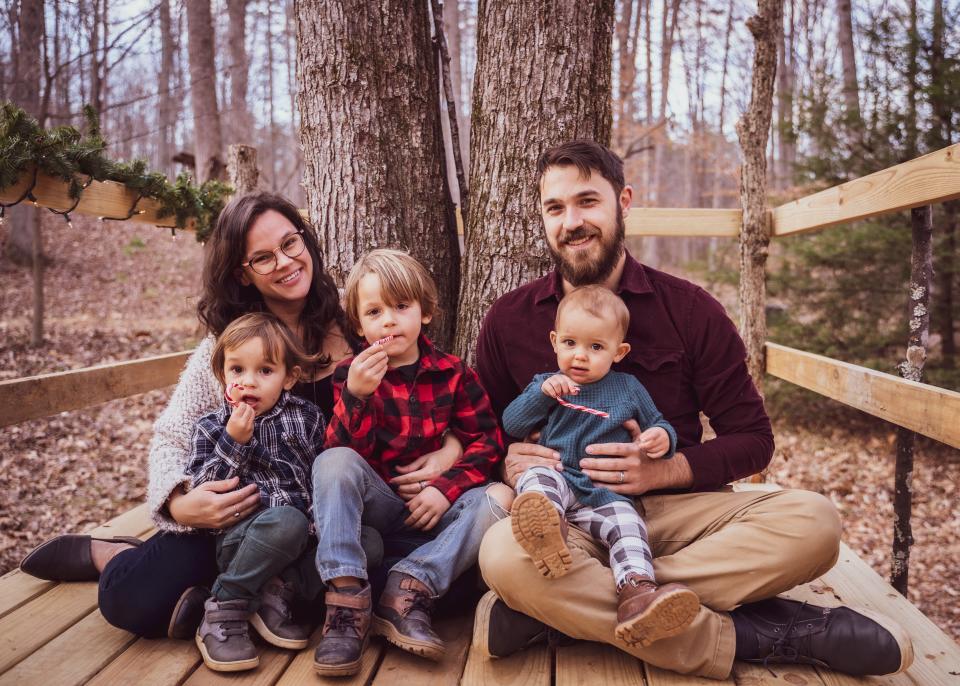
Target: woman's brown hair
(224,298)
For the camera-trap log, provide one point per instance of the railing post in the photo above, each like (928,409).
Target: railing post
(921,271)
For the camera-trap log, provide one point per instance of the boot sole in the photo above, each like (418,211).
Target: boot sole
(431,651)
(668,616)
(899,635)
(481,624)
(536,527)
(344,669)
(217,666)
(273,639)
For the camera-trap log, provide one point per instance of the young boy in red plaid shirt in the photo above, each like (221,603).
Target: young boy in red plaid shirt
(393,403)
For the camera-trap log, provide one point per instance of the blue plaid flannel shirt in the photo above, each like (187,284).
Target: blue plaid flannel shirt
(278,458)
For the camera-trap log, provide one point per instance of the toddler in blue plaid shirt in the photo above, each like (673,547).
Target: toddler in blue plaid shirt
(267,436)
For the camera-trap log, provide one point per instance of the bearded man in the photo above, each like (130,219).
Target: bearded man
(736,550)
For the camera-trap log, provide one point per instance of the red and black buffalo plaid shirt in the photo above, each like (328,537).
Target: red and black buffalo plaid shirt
(407,417)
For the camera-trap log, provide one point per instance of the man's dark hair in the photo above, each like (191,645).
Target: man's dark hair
(587,156)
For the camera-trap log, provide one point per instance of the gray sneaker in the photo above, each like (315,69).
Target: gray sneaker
(273,620)
(224,636)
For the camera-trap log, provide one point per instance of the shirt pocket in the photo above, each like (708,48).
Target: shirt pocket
(660,370)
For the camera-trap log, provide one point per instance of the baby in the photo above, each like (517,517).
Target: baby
(582,404)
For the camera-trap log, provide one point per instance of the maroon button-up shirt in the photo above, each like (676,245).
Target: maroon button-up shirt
(683,349)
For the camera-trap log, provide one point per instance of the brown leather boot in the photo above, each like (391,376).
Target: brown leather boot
(403,617)
(224,636)
(647,612)
(273,620)
(542,533)
(345,631)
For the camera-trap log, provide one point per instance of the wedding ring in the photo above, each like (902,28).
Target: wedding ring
(621,477)
(237,513)
(421,485)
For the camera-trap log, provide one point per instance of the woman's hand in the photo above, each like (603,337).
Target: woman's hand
(214,504)
(627,470)
(417,475)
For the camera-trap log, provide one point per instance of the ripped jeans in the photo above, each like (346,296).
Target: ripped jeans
(347,492)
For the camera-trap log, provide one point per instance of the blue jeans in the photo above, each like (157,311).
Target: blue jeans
(348,493)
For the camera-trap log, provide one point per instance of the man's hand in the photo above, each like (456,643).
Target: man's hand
(366,371)
(240,424)
(627,469)
(427,508)
(522,456)
(558,385)
(655,442)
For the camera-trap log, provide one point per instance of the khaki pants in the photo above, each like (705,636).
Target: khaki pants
(729,547)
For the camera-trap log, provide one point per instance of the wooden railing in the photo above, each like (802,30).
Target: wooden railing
(923,408)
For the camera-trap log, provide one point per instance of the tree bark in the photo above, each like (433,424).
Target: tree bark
(921,273)
(167,112)
(239,121)
(370,132)
(851,87)
(537,84)
(753,130)
(207,137)
(242,170)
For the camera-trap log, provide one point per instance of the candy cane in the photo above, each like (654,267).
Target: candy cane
(384,340)
(588,410)
(228,389)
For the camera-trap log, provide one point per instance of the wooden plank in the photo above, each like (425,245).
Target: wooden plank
(99,199)
(301,671)
(926,409)
(151,663)
(73,656)
(662,677)
(929,179)
(399,666)
(17,588)
(33,397)
(530,667)
(273,662)
(46,617)
(663,221)
(597,663)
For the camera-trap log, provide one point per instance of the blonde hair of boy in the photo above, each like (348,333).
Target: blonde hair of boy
(598,301)
(402,279)
(279,346)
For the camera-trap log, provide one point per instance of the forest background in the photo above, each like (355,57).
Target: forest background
(861,85)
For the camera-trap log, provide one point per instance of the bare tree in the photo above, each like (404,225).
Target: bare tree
(207,137)
(239,120)
(786,77)
(370,132)
(166,111)
(851,88)
(525,100)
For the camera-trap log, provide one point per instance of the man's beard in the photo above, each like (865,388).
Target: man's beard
(588,271)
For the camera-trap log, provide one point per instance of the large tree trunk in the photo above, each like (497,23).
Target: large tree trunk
(239,121)
(753,130)
(207,138)
(528,94)
(167,112)
(851,88)
(370,131)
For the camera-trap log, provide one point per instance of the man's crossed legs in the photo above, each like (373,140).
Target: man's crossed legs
(733,549)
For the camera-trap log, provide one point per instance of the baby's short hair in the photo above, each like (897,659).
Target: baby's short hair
(279,346)
(598,301)
(402,279)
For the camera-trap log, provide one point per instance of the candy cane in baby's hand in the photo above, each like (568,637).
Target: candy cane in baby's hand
(227,391)
(588,410)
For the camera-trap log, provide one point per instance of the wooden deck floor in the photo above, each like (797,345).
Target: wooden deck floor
(52,634)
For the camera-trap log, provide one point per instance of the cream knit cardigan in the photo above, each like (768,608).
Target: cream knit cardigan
(197,393)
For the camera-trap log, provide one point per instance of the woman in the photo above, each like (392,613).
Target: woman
(262,255)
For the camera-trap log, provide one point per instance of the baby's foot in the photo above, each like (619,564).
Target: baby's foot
(648,612)
(542,532)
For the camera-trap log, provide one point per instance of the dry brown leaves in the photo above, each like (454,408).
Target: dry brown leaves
(122,291)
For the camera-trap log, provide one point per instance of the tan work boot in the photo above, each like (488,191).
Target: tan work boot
(273,620)
(647,612)
(542,532)
(403,617)
(346,630)
(224,636)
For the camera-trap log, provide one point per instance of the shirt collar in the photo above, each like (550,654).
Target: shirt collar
(633,280)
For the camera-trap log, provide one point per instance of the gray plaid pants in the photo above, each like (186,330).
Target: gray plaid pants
(617,524)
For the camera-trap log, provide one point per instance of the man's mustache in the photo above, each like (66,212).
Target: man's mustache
(579,233)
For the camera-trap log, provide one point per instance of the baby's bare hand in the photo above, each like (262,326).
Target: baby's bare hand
(655,442)
(558,385)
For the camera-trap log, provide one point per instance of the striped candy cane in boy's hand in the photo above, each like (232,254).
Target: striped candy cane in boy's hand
(383,341)
(228,392)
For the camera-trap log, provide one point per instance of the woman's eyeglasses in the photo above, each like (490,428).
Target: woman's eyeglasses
(266,262)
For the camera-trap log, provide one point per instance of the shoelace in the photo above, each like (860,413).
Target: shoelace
(780,647)
(420,601)
(342,620)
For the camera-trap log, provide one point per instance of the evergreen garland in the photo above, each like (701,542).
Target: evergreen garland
(67,154)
